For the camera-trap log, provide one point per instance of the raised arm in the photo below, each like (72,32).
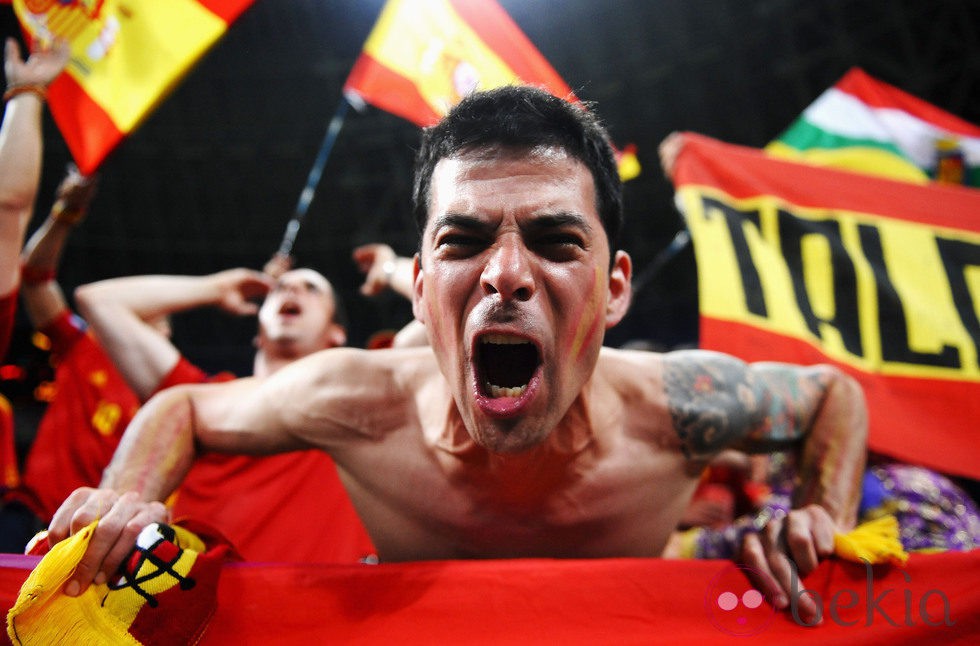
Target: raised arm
(43,298)
(717,401)
(383,269)
(124,313)
(21,147)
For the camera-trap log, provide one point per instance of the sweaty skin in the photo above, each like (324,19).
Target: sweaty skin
(597,455)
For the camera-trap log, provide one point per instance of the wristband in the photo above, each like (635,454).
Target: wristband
(36,275)
(65,214)
(388,267)
(39,91)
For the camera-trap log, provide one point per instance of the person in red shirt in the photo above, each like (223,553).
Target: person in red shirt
(92,404)
(289,507)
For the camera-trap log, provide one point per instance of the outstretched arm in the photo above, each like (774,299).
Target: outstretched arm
(21,147)
(124,313)
(313,402)
(43,299)
(152,459)
(717,401)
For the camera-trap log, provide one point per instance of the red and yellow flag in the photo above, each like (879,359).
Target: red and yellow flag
(126,55)
(423,56)
(882,278)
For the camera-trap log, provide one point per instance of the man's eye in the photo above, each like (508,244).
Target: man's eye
(459,240)
(560,243)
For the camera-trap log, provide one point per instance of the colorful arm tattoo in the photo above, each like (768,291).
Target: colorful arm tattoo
(717,401)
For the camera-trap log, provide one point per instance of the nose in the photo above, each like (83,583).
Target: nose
(290,288)
(509,272)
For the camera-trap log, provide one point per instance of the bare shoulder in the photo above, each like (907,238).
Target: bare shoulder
(346,393)
(713,398)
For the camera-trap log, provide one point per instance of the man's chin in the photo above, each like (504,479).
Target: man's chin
(497,437)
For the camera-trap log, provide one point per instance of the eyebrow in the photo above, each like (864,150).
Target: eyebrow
(559,220)
(307,284)
(459,220)
(540,222)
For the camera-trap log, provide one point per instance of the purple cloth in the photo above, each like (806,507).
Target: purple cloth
(933,512)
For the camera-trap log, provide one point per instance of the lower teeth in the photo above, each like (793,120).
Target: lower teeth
(497,391)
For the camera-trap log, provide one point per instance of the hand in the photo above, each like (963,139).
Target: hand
(668,150)
(237,288)
(121,518)
(709,512)
(74,195)
(278,265)
(41,68)
(378,262)
(785,551)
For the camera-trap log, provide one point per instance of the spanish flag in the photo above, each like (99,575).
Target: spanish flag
(423,56)
(126,55)
(864,125)
(879,277)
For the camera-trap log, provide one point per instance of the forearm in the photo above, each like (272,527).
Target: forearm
(43,298)
(21,150)
(157,449)
(835,451)
(20,172)
(400,277)
(43,250)
(148,297)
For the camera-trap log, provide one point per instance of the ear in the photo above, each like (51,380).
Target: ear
(418,299)
(336,335)
(620,289)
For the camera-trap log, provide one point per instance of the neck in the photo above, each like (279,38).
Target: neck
(267,363)
(574,438)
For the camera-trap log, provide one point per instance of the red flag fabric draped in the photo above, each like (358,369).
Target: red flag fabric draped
(423,56)
(933,599)
(126,55)
(880,277)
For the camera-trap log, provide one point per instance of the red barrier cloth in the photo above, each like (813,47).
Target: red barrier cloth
(569,602)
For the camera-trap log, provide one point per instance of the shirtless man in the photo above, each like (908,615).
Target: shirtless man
(517,434)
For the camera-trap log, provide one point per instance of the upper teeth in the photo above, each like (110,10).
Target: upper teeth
(502,339)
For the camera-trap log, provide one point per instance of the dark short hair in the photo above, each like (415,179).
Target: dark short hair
(522,117)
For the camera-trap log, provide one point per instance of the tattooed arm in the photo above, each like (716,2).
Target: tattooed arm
(717,401)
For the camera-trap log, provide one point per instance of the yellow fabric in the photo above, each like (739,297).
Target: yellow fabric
(629,166)
(127,55)
(429,44)
(858,159)
(875,541)
(43,615)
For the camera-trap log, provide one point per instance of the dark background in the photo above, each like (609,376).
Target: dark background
(211,178)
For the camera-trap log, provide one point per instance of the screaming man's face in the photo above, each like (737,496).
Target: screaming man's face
(513,283)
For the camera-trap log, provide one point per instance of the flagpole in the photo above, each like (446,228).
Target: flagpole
(306,195)
(680,241)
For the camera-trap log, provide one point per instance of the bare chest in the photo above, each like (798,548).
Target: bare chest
(625,503)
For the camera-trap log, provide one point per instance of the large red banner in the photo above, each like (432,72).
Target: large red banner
(882,278)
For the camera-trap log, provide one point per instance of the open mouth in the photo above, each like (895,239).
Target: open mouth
(506,364)
(289,309)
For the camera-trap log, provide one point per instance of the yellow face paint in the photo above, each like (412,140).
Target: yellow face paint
(588,321)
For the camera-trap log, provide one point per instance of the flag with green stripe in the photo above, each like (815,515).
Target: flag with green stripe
(864,125)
